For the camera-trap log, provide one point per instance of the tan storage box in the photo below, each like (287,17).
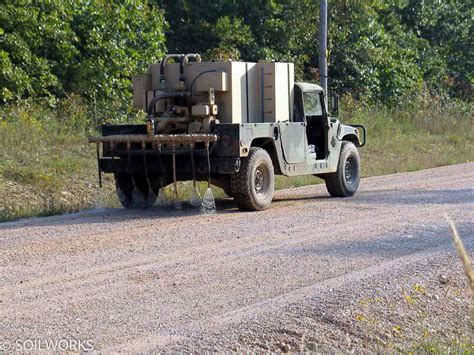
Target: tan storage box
(245,92)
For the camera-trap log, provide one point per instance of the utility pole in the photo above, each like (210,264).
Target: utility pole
(323,45)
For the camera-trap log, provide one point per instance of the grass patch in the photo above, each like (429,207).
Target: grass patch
(47,166)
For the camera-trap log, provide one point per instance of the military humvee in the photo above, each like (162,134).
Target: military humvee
(233,124)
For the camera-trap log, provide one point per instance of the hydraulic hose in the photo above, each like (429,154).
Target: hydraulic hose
(181,68)
(185,60)
(195,56)
(151,105)
(200,74)
(163,64)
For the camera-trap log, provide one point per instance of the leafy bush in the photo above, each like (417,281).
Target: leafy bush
(380,51)
(50,48)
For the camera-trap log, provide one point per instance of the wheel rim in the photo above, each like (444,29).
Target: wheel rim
(261,180)
(350,170)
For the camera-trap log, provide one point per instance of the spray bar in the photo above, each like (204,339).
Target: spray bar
(207,203)
(159,138)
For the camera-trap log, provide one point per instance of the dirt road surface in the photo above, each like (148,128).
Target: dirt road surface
(374,271)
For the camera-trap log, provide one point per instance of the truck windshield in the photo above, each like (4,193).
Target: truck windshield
(312,103)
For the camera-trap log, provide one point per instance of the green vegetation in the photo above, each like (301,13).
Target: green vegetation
(53,48)
(413,333)
(379,50)
(46,164)
(404,68)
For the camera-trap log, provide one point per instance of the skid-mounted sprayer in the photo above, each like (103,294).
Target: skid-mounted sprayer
(233,124)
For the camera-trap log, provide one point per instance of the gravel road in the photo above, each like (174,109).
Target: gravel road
(311,273)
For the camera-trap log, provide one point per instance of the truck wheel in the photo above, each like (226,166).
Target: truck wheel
(254,184)
(134,193)
(345,181)
(230,189)
(225,184)
(229,192)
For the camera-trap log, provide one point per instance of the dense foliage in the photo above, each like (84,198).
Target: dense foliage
(54,47)
(379,50)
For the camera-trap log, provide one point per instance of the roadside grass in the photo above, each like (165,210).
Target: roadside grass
(434,346)
(47,167)
(410,328)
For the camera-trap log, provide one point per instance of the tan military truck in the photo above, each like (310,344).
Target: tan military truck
(233,124)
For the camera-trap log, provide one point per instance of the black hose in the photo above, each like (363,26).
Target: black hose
(200,74)
(197,57)
(208,166)
(181,68)
(151,105)
(162,71)
(163,64)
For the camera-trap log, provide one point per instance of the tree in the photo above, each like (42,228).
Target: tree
(50,48)
(379,50)
(36,44)
(448,57)
(116,39)
(373,56)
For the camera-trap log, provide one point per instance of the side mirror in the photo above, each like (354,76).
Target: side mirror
(334,105)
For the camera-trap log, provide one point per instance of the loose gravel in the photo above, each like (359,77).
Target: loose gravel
(372,272)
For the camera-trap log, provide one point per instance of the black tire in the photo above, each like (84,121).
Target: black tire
(224,183)
(345,181)
(133,192)
(253,186)
(230,190)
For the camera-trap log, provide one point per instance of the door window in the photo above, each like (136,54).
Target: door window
(312,103)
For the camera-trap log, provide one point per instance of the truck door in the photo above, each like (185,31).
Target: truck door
(293,141)
(316,124)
